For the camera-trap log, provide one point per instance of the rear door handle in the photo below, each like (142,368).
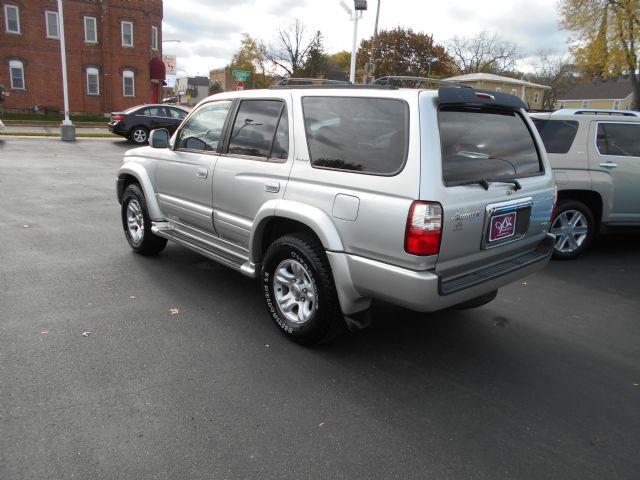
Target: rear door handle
(272,187)
(202,173)
(608,164)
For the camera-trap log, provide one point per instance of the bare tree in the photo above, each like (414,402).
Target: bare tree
(290,47)
(483,52)
(558,72)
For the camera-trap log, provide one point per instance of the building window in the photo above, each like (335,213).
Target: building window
(585,104)
(536,97)
(154,37)
(11,19)
(127,34)
(498,89)
(561,104)
(17,74)
(514,91)
(51,19)
(128,84)
(93,81)
(90,30)
(616,104)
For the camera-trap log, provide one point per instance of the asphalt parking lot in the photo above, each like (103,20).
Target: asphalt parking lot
(542,383)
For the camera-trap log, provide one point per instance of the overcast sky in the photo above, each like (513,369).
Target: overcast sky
(210,30)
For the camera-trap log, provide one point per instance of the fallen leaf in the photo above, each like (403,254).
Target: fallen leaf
(132,297)
(86,334)
(44,332)
(321,424)
(636,384)
(174,311)
(26,226)
(595,441)
(524,283)
(267,345)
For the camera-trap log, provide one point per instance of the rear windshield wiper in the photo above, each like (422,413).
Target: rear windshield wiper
(485,182)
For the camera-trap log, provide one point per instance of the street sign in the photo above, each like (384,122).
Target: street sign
(241,74)
(240,85)
(169,64)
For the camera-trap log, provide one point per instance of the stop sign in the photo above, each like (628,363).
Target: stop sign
(240,85)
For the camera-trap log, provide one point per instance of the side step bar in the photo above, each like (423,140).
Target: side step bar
(214,252)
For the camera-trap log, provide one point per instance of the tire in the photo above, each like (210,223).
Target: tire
(139,135)
(296,274)
(477,302)
(137,224)
(574,226)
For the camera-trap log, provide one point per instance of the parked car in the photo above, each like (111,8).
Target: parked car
(170,100)
(1,127)
(595,155)
(337,195)
(136,122)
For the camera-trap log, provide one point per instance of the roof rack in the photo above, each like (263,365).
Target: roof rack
(309,81)
(596,111)
(415,82)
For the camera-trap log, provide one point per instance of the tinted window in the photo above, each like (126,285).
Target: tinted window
(557,135)
(255,127)
(488,144)
(367,135)
(203,129)
(619,139)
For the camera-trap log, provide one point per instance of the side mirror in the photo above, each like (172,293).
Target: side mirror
(159,138)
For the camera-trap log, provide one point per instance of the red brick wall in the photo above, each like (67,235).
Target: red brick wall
(41,56)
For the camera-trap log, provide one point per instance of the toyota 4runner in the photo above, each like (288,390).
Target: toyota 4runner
(335,195)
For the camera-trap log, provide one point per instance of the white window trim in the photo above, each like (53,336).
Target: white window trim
(16,64)
(96,72)
(498,89)
(514,92)
(122,24)
(616,104)
(536,97)
(46,22)
(585,104)
(154,37)
(128,74)
(95,29)
(6,18)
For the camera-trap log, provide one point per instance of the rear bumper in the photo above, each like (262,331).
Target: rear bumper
(426,291)
(118,131)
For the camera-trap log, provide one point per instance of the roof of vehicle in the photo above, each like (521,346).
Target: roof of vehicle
(490,77)
(136,107)
(596,111)
(605,115)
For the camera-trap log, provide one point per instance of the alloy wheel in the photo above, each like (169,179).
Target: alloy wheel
(571,229)
(294,291)
(135,220)
(139,135)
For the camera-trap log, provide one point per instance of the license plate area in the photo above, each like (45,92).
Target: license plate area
(506,222)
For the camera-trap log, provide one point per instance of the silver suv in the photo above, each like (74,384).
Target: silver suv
(595,155)
(336,195)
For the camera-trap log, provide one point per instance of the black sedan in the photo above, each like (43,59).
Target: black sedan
(135,123)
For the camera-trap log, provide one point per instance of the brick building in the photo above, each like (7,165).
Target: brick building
(113,46)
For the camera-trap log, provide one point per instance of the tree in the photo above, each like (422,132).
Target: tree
(338,65)
(608,37)
(483,53)
(556,71)
(251,57)
(404,52)
(290,48)
(315,65)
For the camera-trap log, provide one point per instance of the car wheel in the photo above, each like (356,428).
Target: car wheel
(139,135)
(574,227)
(299,291)
(137,224)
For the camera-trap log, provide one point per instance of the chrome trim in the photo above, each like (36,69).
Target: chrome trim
(501,208)
(186,205)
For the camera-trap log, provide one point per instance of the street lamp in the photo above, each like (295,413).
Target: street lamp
(359,7)
(67,129)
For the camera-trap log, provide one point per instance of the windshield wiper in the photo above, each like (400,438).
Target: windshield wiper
(485,182)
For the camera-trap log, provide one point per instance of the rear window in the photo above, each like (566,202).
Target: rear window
(557,135)
(485,144)
(364,135)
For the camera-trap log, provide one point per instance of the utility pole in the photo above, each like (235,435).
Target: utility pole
(372,65)
(67,129)
(359,7)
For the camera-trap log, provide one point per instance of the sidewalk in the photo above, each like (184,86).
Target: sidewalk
(51,130)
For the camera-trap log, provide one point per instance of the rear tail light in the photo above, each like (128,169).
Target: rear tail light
(424,228)
(117,118)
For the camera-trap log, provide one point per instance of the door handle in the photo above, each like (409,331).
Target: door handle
(272,187)
(202,173)
(608,164)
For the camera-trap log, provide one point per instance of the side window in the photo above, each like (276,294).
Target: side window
(620,139)
(281,141)
(154,112)
(557,135)
(368,135)
(254,129)
(175,113)
(203,129)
